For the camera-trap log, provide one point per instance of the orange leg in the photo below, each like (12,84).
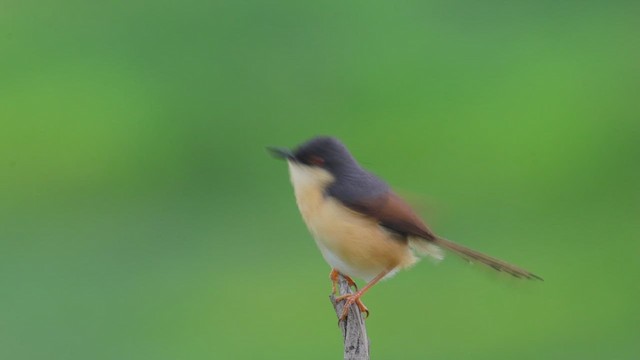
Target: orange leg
(334,280)
(355,298)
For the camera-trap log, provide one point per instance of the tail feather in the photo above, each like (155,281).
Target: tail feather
(472,255)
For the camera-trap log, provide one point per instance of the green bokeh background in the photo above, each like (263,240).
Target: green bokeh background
(141,218)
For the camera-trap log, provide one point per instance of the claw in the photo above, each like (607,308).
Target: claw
(355,298)
(351,299)
(351,282)
(334,281)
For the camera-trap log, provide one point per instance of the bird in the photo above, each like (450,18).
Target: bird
(362,228)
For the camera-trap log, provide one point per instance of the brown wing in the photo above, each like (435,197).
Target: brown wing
(395,214)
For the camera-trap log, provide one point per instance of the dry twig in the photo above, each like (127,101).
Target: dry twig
(356,342)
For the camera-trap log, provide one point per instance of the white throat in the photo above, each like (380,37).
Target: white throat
(308,178)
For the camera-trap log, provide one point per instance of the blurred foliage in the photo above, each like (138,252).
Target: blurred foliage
(141,218)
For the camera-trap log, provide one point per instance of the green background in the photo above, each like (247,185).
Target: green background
(141,218)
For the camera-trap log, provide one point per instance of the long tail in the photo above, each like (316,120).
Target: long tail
(472,255)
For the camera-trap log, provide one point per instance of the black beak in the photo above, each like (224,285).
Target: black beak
(281,153)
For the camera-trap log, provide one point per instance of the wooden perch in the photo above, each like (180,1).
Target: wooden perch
(356,342)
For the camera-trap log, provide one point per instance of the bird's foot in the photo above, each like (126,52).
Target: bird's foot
(351,299)
(334,281)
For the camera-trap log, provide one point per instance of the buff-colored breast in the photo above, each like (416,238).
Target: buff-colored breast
(353,244)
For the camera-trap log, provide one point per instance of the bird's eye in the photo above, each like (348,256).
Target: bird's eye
(316,160)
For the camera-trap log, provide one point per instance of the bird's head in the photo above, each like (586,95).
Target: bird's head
(322,159)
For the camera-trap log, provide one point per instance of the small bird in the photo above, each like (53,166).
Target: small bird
(362,228)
